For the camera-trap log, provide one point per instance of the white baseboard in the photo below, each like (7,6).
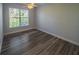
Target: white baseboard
(18,31)
(73,42)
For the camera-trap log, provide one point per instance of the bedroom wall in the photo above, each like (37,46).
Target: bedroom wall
(1,26)
(61,20)
(6,7)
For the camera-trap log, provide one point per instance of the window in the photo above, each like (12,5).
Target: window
(18,17)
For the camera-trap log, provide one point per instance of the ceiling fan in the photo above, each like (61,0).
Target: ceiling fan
(30,5)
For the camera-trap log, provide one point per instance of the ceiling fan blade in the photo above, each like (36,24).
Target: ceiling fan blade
(35,5)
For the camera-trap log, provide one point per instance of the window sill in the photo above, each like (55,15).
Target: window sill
(19,26)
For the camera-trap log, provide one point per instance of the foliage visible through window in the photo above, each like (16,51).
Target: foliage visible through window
(18,17)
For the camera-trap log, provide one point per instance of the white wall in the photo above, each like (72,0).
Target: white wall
(1,32)
(6,7)
(59,19)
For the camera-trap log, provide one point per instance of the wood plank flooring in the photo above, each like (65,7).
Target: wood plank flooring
(37,43)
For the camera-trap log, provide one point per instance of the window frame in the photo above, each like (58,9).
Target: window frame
(19,18)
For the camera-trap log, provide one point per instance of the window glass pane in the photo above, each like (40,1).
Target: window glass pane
(24,13)
(13,12)
(24,21)
(18,17)
(14,22)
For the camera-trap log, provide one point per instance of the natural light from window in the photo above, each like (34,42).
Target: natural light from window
(18,17)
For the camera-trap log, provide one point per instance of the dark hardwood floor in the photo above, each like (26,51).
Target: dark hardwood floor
(37,43)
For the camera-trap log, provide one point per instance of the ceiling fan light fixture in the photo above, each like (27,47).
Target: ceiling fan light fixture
(31,5)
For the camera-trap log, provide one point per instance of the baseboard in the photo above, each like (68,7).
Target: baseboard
(73,42)
(17,31)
